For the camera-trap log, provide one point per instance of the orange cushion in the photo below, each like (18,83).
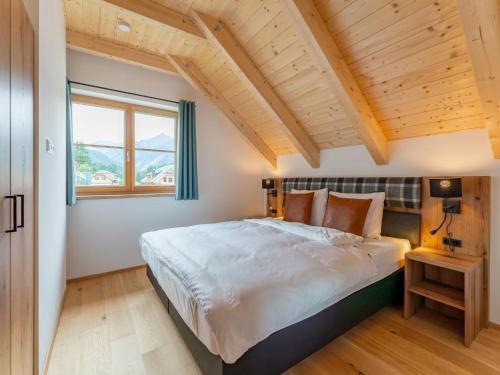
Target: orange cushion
(346,214)
(298,207)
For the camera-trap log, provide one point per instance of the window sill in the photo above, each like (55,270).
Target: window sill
(121,196)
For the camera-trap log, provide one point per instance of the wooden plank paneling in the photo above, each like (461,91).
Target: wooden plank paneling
(107,27)
(472,225)
(428,75)
(91,16)
(459,111)
(74,14)
(258,21)
(446,85)
(399,29)
(194,76)
(424,104)
(433,128)
(481,23)
(375,22)
(242,65)
(328,57)
(420,41)
(271,39)
(338,20)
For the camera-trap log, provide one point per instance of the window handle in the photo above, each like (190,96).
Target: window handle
(128,156)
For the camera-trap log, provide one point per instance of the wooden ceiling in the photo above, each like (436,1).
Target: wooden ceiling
(301,75)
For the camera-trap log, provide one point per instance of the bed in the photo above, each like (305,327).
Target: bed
(240,315)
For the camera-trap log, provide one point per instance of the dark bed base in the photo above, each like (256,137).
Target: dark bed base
(285,348)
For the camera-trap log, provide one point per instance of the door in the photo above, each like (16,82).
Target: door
(22,250)
(5,203)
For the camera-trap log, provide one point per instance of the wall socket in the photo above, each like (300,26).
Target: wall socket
(452,241)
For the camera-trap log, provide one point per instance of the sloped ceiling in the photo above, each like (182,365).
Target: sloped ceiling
(408,57)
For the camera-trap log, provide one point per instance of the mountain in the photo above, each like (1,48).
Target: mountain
(105,156)
(143,159)
(159,142)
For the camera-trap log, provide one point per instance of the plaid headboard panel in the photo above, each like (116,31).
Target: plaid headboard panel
(401,192)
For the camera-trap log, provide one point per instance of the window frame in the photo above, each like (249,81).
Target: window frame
(130,187)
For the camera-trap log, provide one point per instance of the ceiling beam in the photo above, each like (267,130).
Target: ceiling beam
(197,79)
(156,12)
(481,24)
(328,58)
(218,34)
(100,47)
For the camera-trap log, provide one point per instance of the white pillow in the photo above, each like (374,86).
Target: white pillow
(373,222)
(318,206)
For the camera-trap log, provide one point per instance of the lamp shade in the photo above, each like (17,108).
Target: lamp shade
(268,183)
(446,187)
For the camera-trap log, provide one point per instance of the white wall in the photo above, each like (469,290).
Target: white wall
(51,170)
(103,234)
(462,153)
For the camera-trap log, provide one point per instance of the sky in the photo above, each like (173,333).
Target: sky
(148,126)
(93,124)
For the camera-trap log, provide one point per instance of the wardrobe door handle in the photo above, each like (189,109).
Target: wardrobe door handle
(22,210)
(14,226)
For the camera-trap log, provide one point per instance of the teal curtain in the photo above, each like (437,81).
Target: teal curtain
(186,170)
(70,165)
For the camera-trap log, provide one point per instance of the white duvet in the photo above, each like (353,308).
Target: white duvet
(252,278)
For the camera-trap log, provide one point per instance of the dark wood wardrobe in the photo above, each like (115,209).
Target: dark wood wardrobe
(16,190)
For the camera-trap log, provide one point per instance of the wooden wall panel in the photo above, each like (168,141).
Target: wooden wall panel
(472,225)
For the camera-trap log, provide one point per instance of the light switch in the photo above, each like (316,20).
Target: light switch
(49,146)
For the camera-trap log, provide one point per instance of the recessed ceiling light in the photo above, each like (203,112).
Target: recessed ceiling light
(124,26)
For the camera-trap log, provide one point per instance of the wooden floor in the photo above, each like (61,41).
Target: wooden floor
(116,324)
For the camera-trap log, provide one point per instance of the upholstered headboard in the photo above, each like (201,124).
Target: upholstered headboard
(403,198)
(400,192)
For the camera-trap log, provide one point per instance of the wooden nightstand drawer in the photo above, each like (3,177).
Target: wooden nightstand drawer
(467,298)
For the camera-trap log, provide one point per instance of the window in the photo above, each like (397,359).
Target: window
(123,148)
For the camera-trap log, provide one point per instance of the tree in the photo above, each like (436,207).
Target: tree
(82,156)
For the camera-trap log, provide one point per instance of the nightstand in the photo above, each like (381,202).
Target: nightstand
(468,299)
